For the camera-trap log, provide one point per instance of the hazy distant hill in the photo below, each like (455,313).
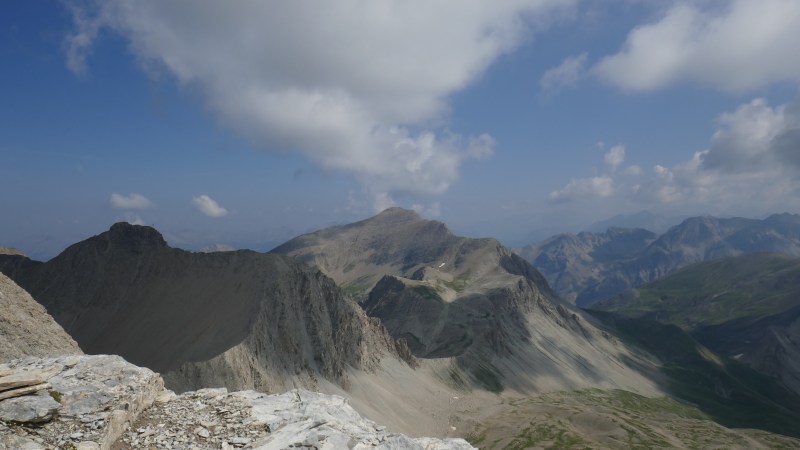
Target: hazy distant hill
(643,219)
(238,319)
(589,267)
(745,307)
(471,299)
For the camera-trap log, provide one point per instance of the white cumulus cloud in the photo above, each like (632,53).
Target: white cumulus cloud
(736,45)
(132,201)
(208,206)
(752,166)
(359,88)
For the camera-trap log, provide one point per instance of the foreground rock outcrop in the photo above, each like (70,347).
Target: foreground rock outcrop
(88,402)
(103,402)
(26,328)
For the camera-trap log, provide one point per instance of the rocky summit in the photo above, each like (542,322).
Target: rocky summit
(103,402)
(472,300)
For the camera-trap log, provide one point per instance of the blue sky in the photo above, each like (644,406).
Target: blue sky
(248,123)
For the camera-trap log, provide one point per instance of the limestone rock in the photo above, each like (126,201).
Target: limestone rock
(23,378)
(24,390)
(92,400)
(26,327)
(37,408)
(249,419)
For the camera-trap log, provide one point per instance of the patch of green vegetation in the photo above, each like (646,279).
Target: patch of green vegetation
(550,436)
(729,392)
(714,292)
(476,438)
(357,292)
(488,378)
(459,282)
(56,396)
(428,293)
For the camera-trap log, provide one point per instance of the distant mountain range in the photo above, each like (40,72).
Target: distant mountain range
(587,267)
(643,219)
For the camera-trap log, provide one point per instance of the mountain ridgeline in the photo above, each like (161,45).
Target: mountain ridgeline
(236,319)
(470,299)
(588,267)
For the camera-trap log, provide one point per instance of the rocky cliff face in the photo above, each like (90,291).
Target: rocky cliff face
(472,300)
(26,328)
(589,267)
(238,319)
(572,262)
(103,402)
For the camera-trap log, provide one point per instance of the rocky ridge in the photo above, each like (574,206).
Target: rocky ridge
(242,319)
(103,402)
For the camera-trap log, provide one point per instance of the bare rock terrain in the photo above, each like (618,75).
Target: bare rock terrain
(103,402)
(26,328)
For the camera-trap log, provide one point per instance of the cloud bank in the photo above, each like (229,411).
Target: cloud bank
(735,46)
(752,162)
(208,206)
(357,87)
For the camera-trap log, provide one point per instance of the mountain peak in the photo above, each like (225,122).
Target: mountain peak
(397,213)
(130,235)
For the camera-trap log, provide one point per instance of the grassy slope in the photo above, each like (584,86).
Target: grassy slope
(611,419)
(729,392)
(749,287)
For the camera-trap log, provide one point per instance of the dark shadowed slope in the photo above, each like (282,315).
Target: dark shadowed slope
(239,319)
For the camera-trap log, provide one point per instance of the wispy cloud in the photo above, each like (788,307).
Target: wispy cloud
(132,201)
(566,74)
(208,206)
(584,188)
